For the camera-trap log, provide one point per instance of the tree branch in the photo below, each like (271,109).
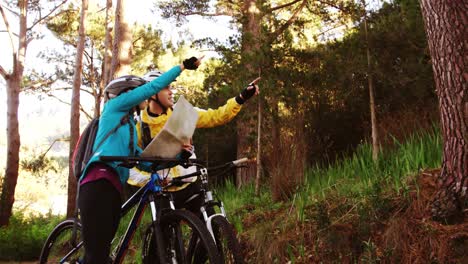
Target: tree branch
(86,113)
(39,84)
(67,103)
(12,11)
(7,25)
(331,4)
(290,21)
(283,6)
(205,14)
(46,16)
(4,74)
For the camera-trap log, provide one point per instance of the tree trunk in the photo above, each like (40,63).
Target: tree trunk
(259,147)
(446,24)
(75,110)
(122,48)
(13,145)
(107,47)
(13,137)
(375,134)
(250,47)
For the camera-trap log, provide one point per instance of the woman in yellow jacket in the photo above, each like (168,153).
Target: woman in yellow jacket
(156,114)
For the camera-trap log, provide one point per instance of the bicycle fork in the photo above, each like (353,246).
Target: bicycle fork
(161,245)
(208,219)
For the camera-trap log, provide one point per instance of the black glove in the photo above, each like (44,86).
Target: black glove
(184,155)
(246,94)
(189,64)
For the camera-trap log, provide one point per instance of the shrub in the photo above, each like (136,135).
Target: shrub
(24,237)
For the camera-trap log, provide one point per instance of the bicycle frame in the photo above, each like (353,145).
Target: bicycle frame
(144,196)
(209,201)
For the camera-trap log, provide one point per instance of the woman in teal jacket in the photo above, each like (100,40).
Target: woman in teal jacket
(101,182)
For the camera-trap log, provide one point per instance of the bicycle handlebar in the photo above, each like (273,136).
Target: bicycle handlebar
(158,161)
(240,161)
(228,165)
(138,159)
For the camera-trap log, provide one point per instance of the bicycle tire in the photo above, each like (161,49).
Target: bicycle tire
(153,242)
(226,240)
(176,219)
(58,244)
(228,245)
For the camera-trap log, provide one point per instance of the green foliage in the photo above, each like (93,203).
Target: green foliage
(38,164)
(370,253)
(23,239)
(339,208)
(235,201)
(147,46)
(174,9)
(365,191)
(357,177)
(421,150)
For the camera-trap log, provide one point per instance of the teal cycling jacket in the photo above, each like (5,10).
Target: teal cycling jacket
(117,144)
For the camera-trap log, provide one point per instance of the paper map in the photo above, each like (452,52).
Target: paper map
(178,130)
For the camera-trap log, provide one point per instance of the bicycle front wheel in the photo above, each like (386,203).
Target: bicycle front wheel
(59,248)
(226,240)
(227,244)
(178,227)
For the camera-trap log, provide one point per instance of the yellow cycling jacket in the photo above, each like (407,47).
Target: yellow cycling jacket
(206,118)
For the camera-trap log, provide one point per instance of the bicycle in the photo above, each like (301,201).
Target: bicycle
(220,228)
(169,225)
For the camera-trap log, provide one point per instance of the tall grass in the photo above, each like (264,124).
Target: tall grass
(359,173)
(354,176)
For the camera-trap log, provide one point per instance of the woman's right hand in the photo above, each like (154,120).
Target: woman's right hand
(192,63)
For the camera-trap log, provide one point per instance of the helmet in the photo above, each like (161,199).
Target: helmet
(149,76)
(122,84)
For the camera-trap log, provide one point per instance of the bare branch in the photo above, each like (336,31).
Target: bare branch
(135,40)
(86,113)
(39,84)
(46,16)
(4,74)
(7,24)
(205,14)
(67,103)
(330,29)
(283,6)
(290,21)
(332,4)
(12,11)
(90,92)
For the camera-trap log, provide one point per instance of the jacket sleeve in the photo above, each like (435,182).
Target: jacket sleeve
(126,101)
(138,130)
(219,116)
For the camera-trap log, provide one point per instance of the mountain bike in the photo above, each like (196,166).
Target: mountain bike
(170,226)
(220,228)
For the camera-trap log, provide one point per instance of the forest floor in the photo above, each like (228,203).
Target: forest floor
(391,229)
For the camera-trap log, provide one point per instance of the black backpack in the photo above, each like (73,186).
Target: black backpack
(84,147)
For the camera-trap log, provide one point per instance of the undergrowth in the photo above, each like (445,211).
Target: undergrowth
(24,237)
(354,211)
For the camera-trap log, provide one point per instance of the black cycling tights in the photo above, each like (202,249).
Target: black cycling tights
(99,204)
